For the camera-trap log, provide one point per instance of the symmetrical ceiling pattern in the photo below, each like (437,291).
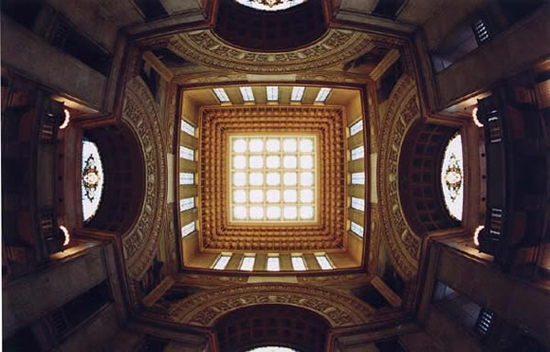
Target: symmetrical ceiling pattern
(217,123)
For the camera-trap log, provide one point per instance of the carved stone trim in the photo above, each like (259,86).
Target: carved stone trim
(403,244)
(204,309)
(140,242)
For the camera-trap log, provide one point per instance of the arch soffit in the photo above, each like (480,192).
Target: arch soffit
(140,241)
(403,244)
(206,308)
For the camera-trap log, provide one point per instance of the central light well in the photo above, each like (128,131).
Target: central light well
(273,178)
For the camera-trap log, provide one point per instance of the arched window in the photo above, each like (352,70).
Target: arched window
(92,179)
(452,177)
(270,5)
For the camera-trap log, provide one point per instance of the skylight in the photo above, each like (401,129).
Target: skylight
(297,93)
(187,128)
(298,263)
(358,203)
(356,127)
(358,153)
(273,178)
(358,178)
(270,5)
(357,229)
(247,94)
(221,94)
(188,229)
(452,177)
(187,178)
(272,93)
(273,263)
(187,153)
(322,95)
(324,262)
(222,261)
(248,263)
(187,203)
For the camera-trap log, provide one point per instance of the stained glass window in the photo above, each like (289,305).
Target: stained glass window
(273,178)
(452,177)
(357,229)
(270,5)
(358,203)
(358,153)
(92,179)
(356,128)
(188,229)
(324,262)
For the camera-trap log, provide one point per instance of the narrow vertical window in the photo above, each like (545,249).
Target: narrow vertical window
(322,95)
(357,229)
(324,261)
(298,263)
(188,229)
(248,263)
(187,153)
(297,93)
(247,93)
(272,93)
(273,263)
(222,261)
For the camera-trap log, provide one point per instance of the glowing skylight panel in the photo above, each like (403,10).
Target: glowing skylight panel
(358,203)
(248,263)
(358,153)
(188,229)
(452,177)
(247,94)
(322,95)
(272,93)
(92,179)
(187,128)
(324,262)
(298,263)
(358,178)
(356,128)
(270,5)
(187,203)
(297,93)
(187,153)
(222,95)
(187,178)
(273,178)
(357,229)
(273,263)
(221,262)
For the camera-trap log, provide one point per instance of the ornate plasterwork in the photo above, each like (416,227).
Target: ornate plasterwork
(205,308)
(217,233)
(140,242)
(337,46)
(403,244)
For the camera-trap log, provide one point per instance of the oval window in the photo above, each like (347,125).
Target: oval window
(452,177)
(92,179)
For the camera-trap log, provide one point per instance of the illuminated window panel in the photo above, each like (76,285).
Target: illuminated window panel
(187,203)
(358,203)
(452,177)
(273,264)
(358,178)
(187,128)
(270,5)
(324,262)
(247,94)
(356,128)
(188,229)
(187,178)
(222,261)
(297,93)
(358,153)
(272,93)
(357,229)
(298,263)
(248,263)
(92,179)
(273,178)
(187,153)
(322,95)
(221,94)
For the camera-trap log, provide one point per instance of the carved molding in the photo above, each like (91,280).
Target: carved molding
(205,48)
(215,230)
(403,244)
(205,308)
(140,242)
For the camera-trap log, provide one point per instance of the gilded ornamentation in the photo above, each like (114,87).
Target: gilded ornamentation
(205,308)
(216,232)
(337,46)
(140,242)
(403,244)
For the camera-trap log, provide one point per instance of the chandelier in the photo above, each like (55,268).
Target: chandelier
(270,5)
